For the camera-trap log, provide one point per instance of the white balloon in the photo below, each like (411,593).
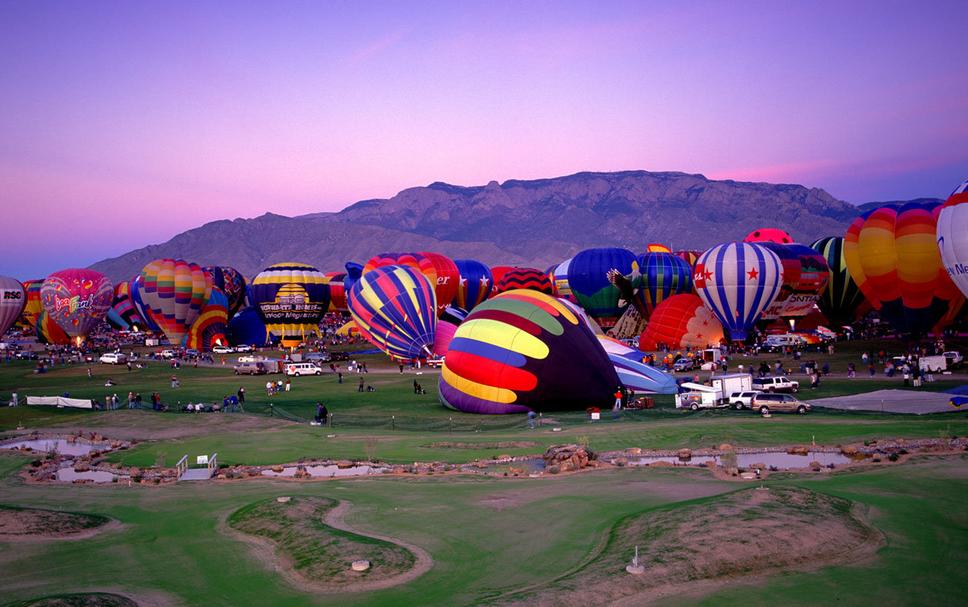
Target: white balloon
(953,236)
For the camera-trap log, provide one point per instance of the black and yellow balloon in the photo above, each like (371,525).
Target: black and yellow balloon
(292,298)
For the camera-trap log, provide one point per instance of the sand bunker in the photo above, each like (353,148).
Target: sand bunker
(305,540)
(38,524)
(703,545)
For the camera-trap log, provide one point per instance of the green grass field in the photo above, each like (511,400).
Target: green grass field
(492,540)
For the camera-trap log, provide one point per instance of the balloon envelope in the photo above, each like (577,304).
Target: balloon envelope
(841,298)
(523,278)
(13,298)
(804,277)
(247,327)
(395,309)
(440,271)
(737,281)
(588,279)
(292,297)
(952,236)
(49,332)
(231,283)
(34,305)
(174,291)
(337,291)
(123,315)
(661,275)
(524,350)
(77,300)
(774,235)
(559,281)
(632,372)
(474,285)
(210,327)
(681,321)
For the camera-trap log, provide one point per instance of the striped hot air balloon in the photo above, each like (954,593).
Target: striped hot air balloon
(804,277)
(135,289)
(892,253)
(210,327)
(632,372)
(474,285)
(33,308)
(123,315)
(231,283)
(589,282)
(841,298)
(13,298)
(662,275)
(952,236)
(681,321)
(559,281)
(524,350)
(523,278)
(292,298)
(337,291)
(439,269)
(174,291)
(49,332)
(395,309)
(737,281)
(77,299)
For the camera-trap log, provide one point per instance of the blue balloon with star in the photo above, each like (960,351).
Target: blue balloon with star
(476,282)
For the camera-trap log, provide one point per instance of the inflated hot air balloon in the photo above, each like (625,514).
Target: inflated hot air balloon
(209,329)
(13,298)
(395,309)
(135,288)
(655,247)
(662,275)
(690,257)
(439,269)
(841,299)
(805,274)
(353,273)
(337,292)
(952,235)
(292,297)
(34,307)
(774,235)
(737,281)
(446,328)
(893,255)
(248,328)
(559,281)
(524,350)
(681,321)
(174,291)
(632,372)
(49,332)
(231,283)
(123,315)
(523,278)
(589,282)
(77,300)
(497,273)
(475,283)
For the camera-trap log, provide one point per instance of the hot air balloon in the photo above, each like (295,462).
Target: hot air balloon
(690,257)
(247,327)
(523,278)
(893,255)
(439,269)
(589,282)
(135,288)
(524,350)
(774,235)
(77,300)
(446,328)
(632,372)
(33,307)
(210,327)
(737,281)
(123,315)
(559,281)
(840,300)
(805,274)
(662,275)
(681,321)
(497,273)
(292,298)
(13,298)
(474,285)
(49,332)
(655,247)
(231,283)
(952,235)
(353,273)
(337,292)
(174,291)
(395,309)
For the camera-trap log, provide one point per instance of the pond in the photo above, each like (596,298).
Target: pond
(330,471)
(59,445)
(773,459)
(68,475)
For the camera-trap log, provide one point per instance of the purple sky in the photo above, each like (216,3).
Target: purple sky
(123,123)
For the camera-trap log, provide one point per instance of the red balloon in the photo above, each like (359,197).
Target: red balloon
(769,235)
(681,321)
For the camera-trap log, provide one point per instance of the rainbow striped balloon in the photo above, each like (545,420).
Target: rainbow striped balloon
(174,291)
(662,275)
(737,281)
(525,351)
(395,309)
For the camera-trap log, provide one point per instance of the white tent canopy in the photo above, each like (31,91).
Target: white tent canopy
(60,401)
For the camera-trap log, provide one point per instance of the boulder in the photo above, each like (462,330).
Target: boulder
(568,457)
(685,453)
(725,447)
(798,450)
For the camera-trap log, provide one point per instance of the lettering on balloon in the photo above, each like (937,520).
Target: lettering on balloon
(73,304)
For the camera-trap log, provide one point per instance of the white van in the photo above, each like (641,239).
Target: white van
(298,369)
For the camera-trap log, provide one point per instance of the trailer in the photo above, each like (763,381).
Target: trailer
(933,364)
(731,382)
(698,396)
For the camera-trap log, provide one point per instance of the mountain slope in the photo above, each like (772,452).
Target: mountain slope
(537,222)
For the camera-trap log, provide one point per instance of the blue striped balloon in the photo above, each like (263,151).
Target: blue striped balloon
(663,275)
(395,309)
(737,281)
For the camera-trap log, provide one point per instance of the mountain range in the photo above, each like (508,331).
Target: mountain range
(536,222)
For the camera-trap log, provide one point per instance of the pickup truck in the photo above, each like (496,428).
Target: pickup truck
(775,384)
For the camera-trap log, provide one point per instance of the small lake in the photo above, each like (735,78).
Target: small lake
(59,445)
(330,471)
(68,475)
(778,460)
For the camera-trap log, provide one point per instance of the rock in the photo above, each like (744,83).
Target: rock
(360,565)
(621,462)
(725,447)
(568,457)
(284,499)
(685,453)
(277,469)
(798,450)
(849,450)
(816,466)
(748,476)
(758,466)
(633,451)
(344,464)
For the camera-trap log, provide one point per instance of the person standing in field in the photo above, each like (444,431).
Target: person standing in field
(241,395)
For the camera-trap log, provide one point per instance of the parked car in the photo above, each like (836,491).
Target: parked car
(168,354)
(244,348)
(954,358)
(435,362)
(250,368)
(298,369)
(775,384)
(191,353)
(322,357)
(684,364)
(742,400)
(223,350)
(113,358)
(339,356)
(779,403)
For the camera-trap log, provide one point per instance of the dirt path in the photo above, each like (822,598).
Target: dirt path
(265,552)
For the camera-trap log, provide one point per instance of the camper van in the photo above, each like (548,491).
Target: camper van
(732,382)
(778,342)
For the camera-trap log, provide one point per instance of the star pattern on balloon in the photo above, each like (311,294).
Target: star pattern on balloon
(484,281)
(753,274)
